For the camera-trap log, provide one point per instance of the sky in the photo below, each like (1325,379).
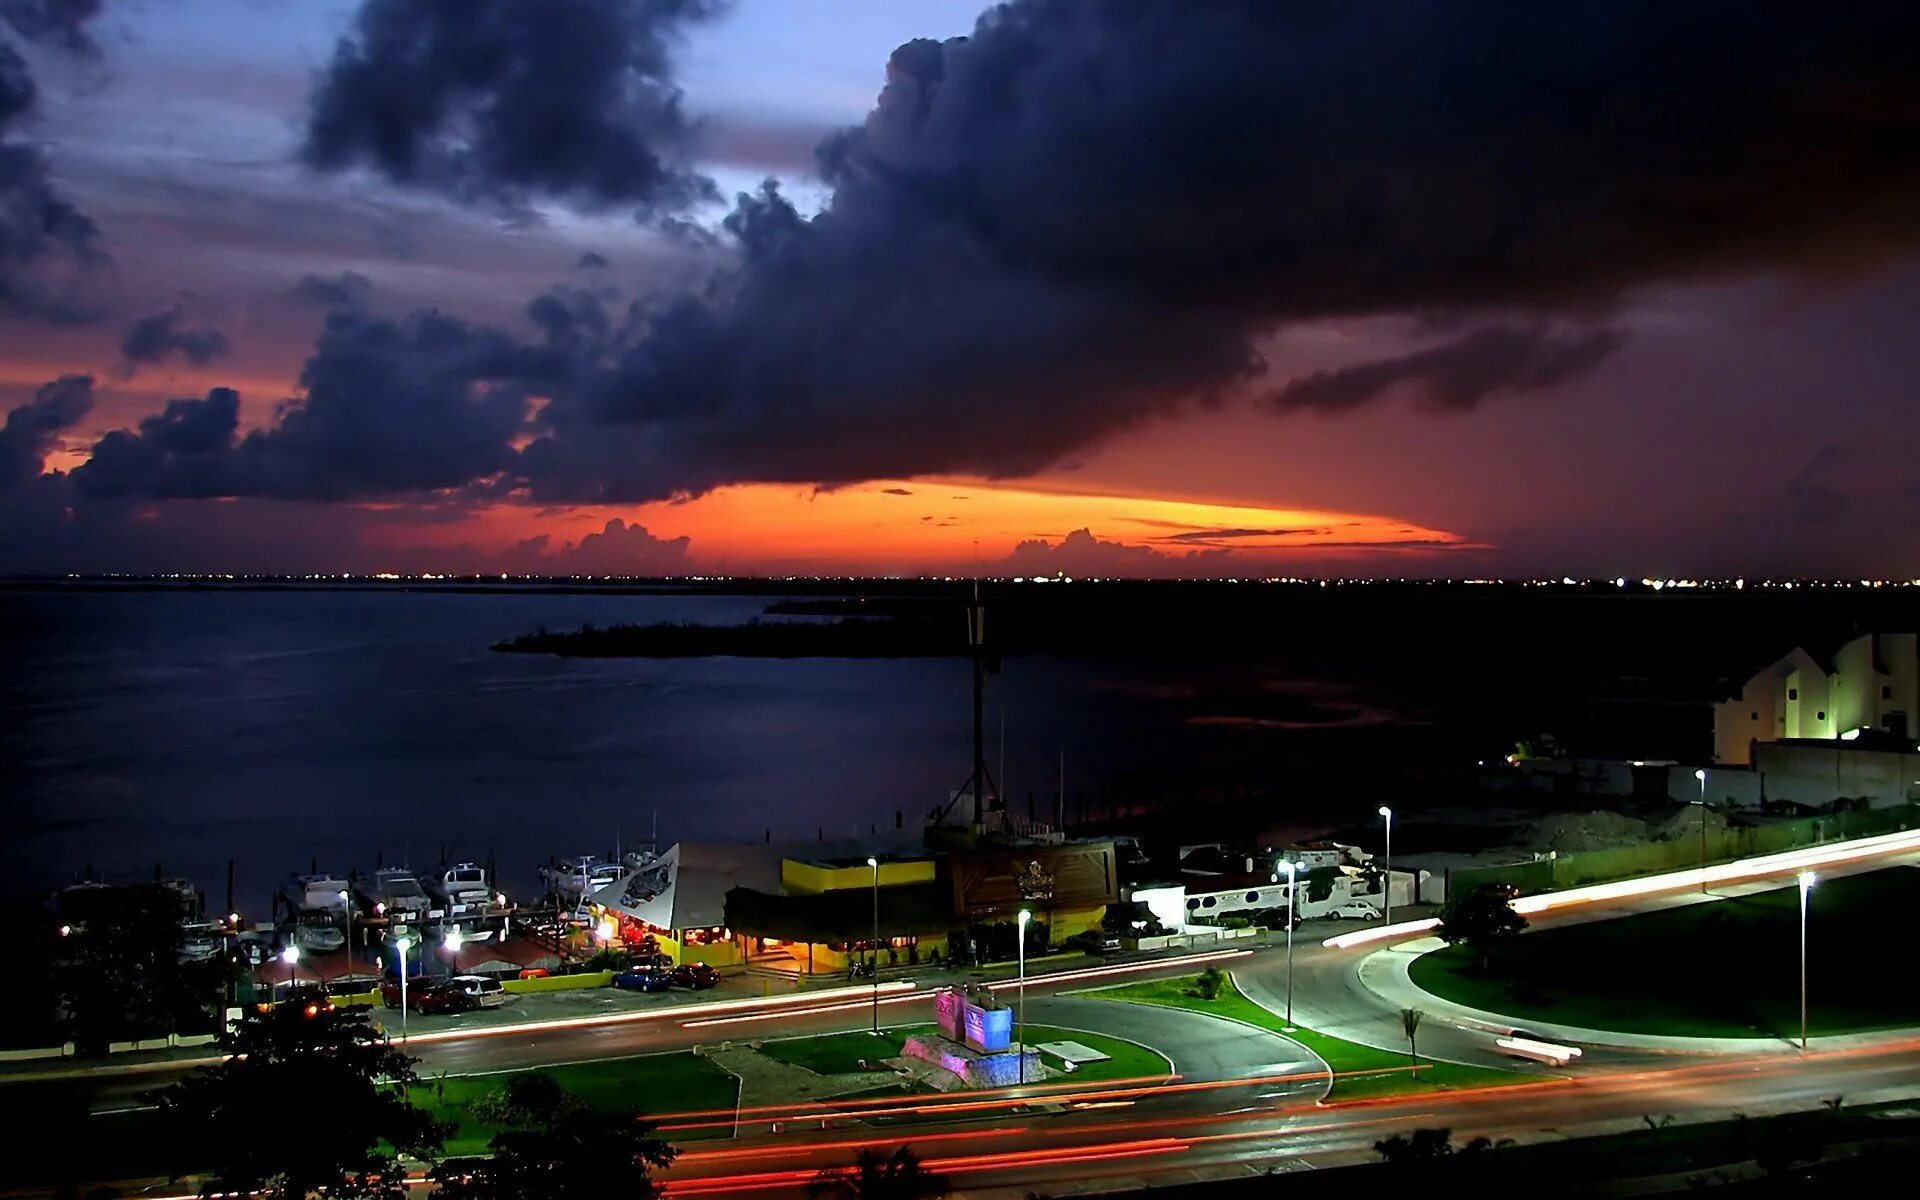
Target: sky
(827,286)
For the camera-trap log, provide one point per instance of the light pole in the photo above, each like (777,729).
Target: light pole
(1020,1017)
(873,947)
(1806,887)
(290,956)
(1700,774)
(346,901)
(1387,814)
(401,945)
(1293,872)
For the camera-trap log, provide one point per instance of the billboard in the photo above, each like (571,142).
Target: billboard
(997,883)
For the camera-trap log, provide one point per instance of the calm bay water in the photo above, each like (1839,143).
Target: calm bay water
(281,727)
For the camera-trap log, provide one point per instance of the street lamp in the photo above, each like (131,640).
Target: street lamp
(1021,1016)
(1387,814)
(1293,871)
(1806,887)
(402,944)
(1700,774)
(873,947)
(346,902)
(290,956)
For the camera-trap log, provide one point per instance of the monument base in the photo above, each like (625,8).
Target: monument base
(997,1069)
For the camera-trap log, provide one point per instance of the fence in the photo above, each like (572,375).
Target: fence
(1679,853)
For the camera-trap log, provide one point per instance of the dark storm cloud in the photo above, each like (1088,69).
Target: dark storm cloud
(34,428)
(590,262)
(896,491)
(51,264)
(162,335)
(1460,374)
(57,22)
(1088,214)
(179,452)
(502,101)
(348,289)
(426,403)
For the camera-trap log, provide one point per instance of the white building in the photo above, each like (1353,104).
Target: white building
(1870,683)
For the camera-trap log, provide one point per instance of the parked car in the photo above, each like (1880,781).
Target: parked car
(446,998)
(428,995)
(1095,941)
(698,976)
(644,979)
(487,993)
(1355,911)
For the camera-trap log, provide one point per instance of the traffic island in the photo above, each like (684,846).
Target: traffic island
(1727,968)
(1358,1072)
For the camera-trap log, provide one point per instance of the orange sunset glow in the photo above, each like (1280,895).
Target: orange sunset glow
(951,524)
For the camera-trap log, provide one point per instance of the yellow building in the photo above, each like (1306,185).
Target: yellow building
(1870,683)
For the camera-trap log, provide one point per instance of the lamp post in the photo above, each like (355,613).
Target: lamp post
(873,947)
(401,945)
(346,902)
(1806,887)
(1387,814)
(1020,1017)
(1700,774)
(290,956)
(1293,872)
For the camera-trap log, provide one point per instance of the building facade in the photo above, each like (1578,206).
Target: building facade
(1870,683)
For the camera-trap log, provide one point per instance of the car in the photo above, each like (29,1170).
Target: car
(487,993)
(390,991)
(643,979)
(1094,941)
(440,998)
(436,994)
(1355,911)
(698,976)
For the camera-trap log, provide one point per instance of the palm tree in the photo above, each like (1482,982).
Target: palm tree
(876,1176)
(1410,1021)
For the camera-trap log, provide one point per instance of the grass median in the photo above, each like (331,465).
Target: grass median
(1726,968)
(652,1083)
(1358,1071)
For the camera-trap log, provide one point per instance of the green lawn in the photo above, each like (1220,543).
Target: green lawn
(839,1053)
(1358,1071)
(653,1083)
(1722,968)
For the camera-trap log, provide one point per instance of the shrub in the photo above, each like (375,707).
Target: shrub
(610,958)
(526,1100)
(1210,983)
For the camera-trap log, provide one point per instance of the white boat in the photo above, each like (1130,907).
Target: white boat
(315,929)
(462,890)
(571,882)
(395,894)
(322,890)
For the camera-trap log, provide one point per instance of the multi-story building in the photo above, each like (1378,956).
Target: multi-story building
(1871,683)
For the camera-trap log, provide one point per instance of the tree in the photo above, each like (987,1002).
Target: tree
(118,968)
(303,1058)
(1410,1022)
(1422,1145)
(579,1155)
(1481,919)
(876,1176)
(1429,1145)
